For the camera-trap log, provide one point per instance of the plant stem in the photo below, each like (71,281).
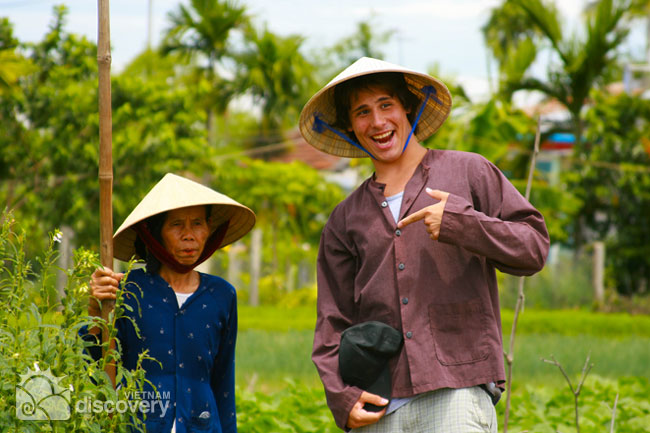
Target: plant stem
(519,307)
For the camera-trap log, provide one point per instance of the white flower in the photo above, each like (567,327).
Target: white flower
(58,237)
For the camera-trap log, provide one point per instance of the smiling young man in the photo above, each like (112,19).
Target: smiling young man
(415,246)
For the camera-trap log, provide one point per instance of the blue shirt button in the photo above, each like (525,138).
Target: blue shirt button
(398,232)
(405,301)
(401,266)
(384,203)
(409,334)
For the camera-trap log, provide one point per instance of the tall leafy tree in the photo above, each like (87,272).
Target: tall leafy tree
(580,62)
(366,41)
(583,62)
(278,77)
(12,64)
(292,201)
(613,182)
(512,40)
(49,156)
(202,32)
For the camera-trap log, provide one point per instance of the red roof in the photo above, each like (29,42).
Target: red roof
(299,150)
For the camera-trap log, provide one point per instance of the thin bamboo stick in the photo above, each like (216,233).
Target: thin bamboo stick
(105,161)
(519,307)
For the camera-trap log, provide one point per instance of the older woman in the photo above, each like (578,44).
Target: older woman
(187,320)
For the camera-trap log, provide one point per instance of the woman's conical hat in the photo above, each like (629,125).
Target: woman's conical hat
(322,104)
(174,192)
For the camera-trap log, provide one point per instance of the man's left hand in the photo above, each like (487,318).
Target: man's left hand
(431,215)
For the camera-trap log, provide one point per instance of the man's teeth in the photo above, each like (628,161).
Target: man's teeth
(382,136)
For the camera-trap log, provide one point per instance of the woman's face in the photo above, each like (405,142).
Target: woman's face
(185,232)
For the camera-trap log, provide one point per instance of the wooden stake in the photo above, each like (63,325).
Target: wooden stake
(105,161)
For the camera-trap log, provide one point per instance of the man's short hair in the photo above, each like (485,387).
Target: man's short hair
(392,82)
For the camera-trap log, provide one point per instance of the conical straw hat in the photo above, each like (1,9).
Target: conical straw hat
(322,104)
(174,192)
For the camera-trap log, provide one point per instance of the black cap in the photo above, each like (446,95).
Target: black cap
(363,357)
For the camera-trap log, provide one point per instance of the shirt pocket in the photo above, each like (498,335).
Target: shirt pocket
(459,332)
(197,425)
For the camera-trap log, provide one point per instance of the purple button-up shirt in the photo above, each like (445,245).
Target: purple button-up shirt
(441,294)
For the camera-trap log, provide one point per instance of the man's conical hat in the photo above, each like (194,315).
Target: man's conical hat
(174,192)
(322,104)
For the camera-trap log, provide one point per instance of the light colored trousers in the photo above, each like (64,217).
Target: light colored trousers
(465,410)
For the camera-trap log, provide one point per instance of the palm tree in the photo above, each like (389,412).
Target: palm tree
(364,42)
(584,63)
(512,39)
(277,76)
(201,32)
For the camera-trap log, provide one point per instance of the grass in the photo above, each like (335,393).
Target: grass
(565,322)
(272,318)
(266,359)
(274,345)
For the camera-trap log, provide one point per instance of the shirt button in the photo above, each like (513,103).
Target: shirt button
(398,232)
(405,301)
(384,203)
(409,334)
(401,266)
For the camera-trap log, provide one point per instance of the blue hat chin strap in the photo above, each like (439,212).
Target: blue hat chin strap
(320,125)
(428,91)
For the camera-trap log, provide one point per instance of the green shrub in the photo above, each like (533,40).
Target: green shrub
(295,409)
(544,409)
(39,339)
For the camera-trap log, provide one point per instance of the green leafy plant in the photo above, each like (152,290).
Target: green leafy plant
(40,331)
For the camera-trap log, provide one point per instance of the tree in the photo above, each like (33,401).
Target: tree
(580,63)
(292,201)
(366,41)
(12,64)
(202,32)
(278,77)
(613,182)
(512,39)
(49,160)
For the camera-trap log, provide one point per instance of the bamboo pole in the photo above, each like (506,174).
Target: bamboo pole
(105,162)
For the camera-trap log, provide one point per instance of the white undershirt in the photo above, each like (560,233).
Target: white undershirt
(182,297)
(395,204)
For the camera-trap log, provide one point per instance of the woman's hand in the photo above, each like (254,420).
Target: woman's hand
(359,417)
(103,285)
